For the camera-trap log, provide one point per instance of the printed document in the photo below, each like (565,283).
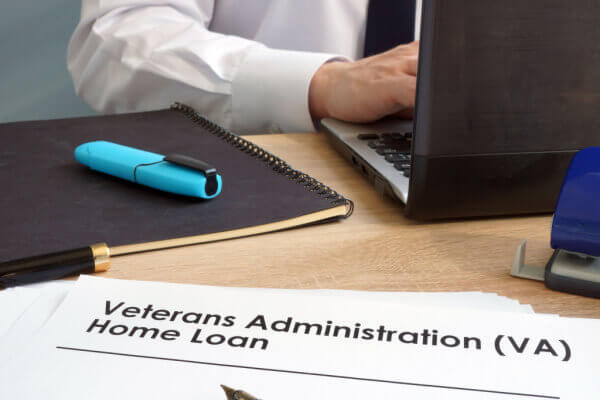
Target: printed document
(131,339)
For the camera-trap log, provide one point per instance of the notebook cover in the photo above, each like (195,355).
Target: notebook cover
(50,202)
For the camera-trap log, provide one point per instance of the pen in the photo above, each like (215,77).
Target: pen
(85,260)
(237,394)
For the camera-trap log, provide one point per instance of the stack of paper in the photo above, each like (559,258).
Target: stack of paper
(28,308)
(102,338)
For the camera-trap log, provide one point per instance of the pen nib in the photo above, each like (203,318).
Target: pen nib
(229,392)
(237,394)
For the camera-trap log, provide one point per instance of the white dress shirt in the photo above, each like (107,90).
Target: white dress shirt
(245,64)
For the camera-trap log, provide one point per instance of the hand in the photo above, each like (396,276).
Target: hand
(368,89)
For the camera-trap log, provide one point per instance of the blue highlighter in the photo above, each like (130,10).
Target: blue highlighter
(173,173)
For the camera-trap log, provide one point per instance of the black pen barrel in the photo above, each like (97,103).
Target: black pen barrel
(84,257)
(85,260)
(49,274)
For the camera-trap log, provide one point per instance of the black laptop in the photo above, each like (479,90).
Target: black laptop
(507,92)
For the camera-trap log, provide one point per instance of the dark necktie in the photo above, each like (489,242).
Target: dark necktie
(389,24)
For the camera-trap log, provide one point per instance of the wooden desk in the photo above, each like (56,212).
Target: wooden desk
(376,249)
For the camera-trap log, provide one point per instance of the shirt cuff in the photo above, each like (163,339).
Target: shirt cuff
(270,90)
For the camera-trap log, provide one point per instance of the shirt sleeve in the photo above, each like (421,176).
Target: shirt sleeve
(135,55)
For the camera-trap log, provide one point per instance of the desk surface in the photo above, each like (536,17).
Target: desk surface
(376,249)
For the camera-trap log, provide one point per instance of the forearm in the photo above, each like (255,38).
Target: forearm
(145,57)
(132,55)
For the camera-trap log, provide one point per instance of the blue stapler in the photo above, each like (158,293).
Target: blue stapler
(575,264)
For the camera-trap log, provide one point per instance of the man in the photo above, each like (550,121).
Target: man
(249,65)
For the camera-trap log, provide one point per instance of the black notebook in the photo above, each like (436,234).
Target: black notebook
(50,202)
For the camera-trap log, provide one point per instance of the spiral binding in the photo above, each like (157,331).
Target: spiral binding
(276,163)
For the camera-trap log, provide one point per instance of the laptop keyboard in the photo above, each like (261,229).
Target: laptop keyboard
(394,147)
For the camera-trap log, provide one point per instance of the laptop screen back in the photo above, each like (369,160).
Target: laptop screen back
(507,92)
(509,76)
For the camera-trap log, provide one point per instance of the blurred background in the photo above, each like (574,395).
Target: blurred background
(34,80)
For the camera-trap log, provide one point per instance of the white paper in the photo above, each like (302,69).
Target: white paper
(20,306)
(33,317)
(13,302)
(294,365)
(470,300)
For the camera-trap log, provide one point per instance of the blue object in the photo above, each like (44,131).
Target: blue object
(576,224)
(174,173)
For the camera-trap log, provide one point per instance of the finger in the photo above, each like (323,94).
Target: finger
(405,91)
(412,65)
(406,49)
(406,113)
(412,45)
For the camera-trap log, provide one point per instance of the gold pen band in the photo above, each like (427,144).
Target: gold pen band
(101,254)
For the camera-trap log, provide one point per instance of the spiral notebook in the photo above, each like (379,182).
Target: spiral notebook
(52,203)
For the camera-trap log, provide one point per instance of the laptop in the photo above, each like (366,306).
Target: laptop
(507,93)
